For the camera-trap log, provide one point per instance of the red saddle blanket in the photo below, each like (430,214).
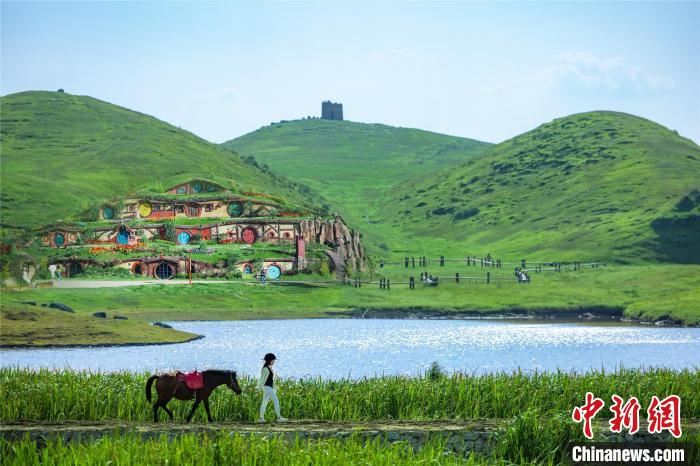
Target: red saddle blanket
(193,380)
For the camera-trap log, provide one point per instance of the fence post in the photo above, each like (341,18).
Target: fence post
(488,277)
(413,262)
(442,261)
(388,284)
(405,259)
(522,263)
(457,277)
(381,264)
(411,283)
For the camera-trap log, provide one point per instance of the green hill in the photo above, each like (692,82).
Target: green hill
(355,165)
(599,185)
(62,154)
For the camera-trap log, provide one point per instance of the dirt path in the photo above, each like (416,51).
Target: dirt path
(467,428)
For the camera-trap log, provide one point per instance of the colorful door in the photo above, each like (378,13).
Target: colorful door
(183,238)
(145,209)
(235,209)
(59,240)
(273,272)
(123,237)
(108,213)
(197,187)
(249,235)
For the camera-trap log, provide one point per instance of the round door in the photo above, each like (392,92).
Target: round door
(197,187)
(145,209)
(273,272)
(108,213)
(183,238)
(249,235)
(181,190)
(163,271)
(235,209)
(59,240)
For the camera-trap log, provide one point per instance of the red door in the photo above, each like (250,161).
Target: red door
(249,235)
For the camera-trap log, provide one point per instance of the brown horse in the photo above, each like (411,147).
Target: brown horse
(169,387)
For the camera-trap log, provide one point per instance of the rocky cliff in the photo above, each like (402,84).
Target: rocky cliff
(336,235)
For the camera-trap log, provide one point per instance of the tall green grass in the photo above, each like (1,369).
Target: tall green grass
(228,449)
(55,396)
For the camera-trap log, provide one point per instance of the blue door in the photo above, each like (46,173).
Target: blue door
(183,238)
(273,272)
(123,237)
(59,240)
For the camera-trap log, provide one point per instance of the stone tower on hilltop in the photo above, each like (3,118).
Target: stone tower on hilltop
(331,111)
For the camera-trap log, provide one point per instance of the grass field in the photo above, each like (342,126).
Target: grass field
(38,326)
(533,411)
(646,292)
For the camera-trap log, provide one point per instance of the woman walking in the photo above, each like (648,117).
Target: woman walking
(266,383)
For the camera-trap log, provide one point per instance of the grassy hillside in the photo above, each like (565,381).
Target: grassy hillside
(62,154)
(355,165)
(600,185)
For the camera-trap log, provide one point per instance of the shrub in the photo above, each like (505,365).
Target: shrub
(465,214)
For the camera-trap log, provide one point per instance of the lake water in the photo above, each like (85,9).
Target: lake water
(339,348)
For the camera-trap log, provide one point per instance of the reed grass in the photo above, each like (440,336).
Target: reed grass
(48,395)
(229,449)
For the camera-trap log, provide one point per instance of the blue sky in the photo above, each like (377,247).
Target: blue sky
(488,71)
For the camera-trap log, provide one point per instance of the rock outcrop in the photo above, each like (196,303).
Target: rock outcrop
(337,236)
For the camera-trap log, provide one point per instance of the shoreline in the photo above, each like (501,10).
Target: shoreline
(100,345)
(593,315)
(582,315)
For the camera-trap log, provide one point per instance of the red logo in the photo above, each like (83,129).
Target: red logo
(665,415)
(587,412)
(626,416)
(662,414)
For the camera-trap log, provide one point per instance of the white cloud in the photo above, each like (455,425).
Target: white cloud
(612,73)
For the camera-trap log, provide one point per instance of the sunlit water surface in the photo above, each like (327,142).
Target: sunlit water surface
(339,348)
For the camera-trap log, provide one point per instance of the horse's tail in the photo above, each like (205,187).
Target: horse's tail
(148,386)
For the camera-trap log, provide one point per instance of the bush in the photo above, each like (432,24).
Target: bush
(324,270)
(465,214)
(435,372)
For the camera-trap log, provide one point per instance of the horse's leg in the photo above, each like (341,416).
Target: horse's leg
(156,405)
(194,408)
(206,408)
(170,413)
